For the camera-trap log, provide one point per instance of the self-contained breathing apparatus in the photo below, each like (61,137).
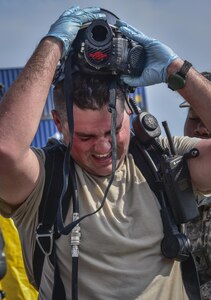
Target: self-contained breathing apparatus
(105,49)
(100,49)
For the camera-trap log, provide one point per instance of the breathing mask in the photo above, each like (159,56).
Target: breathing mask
(101,48)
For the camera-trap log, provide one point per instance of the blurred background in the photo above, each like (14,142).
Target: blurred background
(185,26)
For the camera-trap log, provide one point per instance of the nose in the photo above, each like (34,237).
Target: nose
(102,146)
(201,130)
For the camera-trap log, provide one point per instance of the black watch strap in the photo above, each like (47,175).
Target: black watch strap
(177,80)
(184,69)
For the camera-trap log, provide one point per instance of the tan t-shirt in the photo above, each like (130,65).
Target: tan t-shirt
(120,255)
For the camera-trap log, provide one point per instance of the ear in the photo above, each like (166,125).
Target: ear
(56,119)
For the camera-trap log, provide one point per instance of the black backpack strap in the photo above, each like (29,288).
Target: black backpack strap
(189,272)
(46,230)
(191,278)
(139,156)
(58,288)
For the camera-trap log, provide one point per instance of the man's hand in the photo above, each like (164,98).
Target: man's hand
(158,57)
(66,27)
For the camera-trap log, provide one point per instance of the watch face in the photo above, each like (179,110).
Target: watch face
(176,82)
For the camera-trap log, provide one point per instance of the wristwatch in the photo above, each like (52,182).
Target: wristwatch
(177,80)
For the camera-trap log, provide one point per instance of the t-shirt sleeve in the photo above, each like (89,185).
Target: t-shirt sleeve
(29,208)
(182,144)
(26,218)
(6,210)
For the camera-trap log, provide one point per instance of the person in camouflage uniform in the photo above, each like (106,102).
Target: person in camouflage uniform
(199,231)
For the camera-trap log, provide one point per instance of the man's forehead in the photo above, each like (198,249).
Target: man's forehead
(97,115)
(120,105)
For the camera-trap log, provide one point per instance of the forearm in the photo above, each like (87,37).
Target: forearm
(22,105)
(197,91)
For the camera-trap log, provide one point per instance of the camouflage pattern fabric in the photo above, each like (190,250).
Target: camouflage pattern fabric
(199,233)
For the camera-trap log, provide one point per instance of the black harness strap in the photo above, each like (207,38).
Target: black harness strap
(46,230)
(58,289)
(138,154)
(191,278)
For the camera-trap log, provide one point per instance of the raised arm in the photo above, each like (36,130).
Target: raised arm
(161,62)
(22,106)
(197,92)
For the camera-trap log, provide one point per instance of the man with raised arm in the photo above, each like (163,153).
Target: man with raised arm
(120,254)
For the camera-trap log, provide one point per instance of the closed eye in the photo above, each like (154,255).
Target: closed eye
(86,137)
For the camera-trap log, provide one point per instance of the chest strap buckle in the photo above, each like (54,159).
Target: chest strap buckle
(45,238)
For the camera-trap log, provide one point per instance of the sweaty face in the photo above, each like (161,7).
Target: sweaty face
(92,142)
(194,127)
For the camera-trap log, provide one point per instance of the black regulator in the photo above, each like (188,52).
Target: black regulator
(101,48)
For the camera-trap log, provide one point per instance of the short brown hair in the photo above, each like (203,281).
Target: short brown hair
(89,92)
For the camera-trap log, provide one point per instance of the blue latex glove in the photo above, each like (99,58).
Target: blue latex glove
(158,57)
(66,27)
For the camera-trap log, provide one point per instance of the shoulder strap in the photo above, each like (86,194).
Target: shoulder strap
(141,161)
(188,268)
(46,231)
(191,278)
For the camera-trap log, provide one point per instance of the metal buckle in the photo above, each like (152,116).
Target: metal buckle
(45,238)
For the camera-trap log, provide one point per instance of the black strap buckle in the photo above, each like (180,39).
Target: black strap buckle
(45,238)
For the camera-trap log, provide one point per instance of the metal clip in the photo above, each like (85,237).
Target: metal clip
(45,238)
(75,237)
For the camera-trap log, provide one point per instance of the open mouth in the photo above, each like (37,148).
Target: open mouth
(102,157)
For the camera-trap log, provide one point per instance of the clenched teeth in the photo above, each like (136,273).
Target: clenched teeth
(102,155)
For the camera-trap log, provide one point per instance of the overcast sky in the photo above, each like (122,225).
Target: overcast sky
(184,25)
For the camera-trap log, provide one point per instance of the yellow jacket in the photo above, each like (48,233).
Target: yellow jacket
(15,283)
